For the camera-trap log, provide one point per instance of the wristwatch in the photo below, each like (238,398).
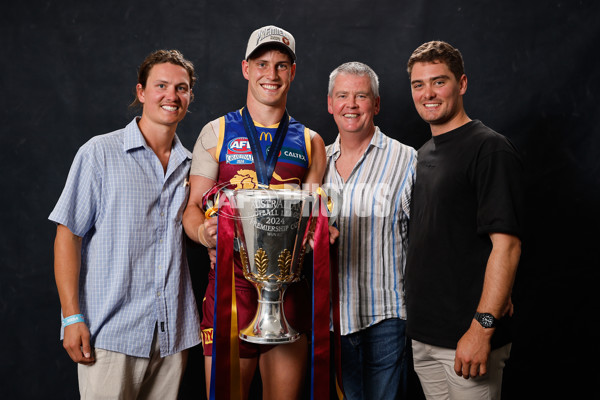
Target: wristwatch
(486,320)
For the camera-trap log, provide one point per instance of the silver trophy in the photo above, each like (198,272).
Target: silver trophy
(272,228)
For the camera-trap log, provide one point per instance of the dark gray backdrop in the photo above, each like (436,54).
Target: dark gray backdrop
(69,70)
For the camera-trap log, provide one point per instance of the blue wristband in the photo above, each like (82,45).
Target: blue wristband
(73,319)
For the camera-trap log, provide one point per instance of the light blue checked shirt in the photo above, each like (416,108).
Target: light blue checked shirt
(373,224)
(134,273)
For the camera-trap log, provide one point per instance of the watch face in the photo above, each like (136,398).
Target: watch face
(485,319)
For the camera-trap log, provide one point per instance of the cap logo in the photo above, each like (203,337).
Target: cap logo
(269,32)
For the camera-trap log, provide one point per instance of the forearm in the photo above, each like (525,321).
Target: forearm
(67,263)
(474,347)
(193,218)
(500,274)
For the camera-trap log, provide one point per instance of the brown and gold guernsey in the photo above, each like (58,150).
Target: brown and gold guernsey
(236,163)
(237,171)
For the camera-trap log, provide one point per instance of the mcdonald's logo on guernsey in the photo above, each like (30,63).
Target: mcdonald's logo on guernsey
(266,135)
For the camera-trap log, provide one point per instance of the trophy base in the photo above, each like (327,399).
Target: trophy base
(290,338)
(269,325)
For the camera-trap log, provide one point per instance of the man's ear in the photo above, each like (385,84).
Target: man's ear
(463,84)
(330,105)
(139,91)
(245,67)
(377,105)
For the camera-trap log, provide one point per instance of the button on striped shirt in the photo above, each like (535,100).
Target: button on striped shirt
(373,224)
(134,274)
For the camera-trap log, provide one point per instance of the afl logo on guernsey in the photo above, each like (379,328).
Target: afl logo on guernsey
(239,145)
(238,151)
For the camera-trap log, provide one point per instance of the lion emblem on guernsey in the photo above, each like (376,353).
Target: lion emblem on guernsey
(246,179)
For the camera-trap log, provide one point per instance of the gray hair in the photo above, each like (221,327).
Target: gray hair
(358,69)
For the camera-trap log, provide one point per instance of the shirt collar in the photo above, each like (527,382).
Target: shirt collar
(133,139)
(180,152)
(376,141)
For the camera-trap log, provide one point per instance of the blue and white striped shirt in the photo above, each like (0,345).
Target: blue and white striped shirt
(134,273)
(373,224)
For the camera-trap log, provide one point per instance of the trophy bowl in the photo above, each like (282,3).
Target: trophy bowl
(272,228)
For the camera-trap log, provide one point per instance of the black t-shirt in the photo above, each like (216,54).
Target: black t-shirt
(468,185)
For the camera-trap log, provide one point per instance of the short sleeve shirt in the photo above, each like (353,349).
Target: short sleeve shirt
(134,275)
(468,185)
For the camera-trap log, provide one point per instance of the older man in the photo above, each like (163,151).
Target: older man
(373,174)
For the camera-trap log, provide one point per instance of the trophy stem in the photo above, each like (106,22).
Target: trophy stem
(269,325)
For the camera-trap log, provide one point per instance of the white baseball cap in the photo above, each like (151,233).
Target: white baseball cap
(271,34)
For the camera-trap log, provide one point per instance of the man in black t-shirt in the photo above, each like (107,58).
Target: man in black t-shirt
(464,237)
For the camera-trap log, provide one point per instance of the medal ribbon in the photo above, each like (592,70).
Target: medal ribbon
(265,167)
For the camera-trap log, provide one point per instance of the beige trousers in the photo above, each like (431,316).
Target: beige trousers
(435,368)
(118,376)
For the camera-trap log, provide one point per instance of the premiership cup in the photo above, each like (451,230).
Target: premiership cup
(272,228)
